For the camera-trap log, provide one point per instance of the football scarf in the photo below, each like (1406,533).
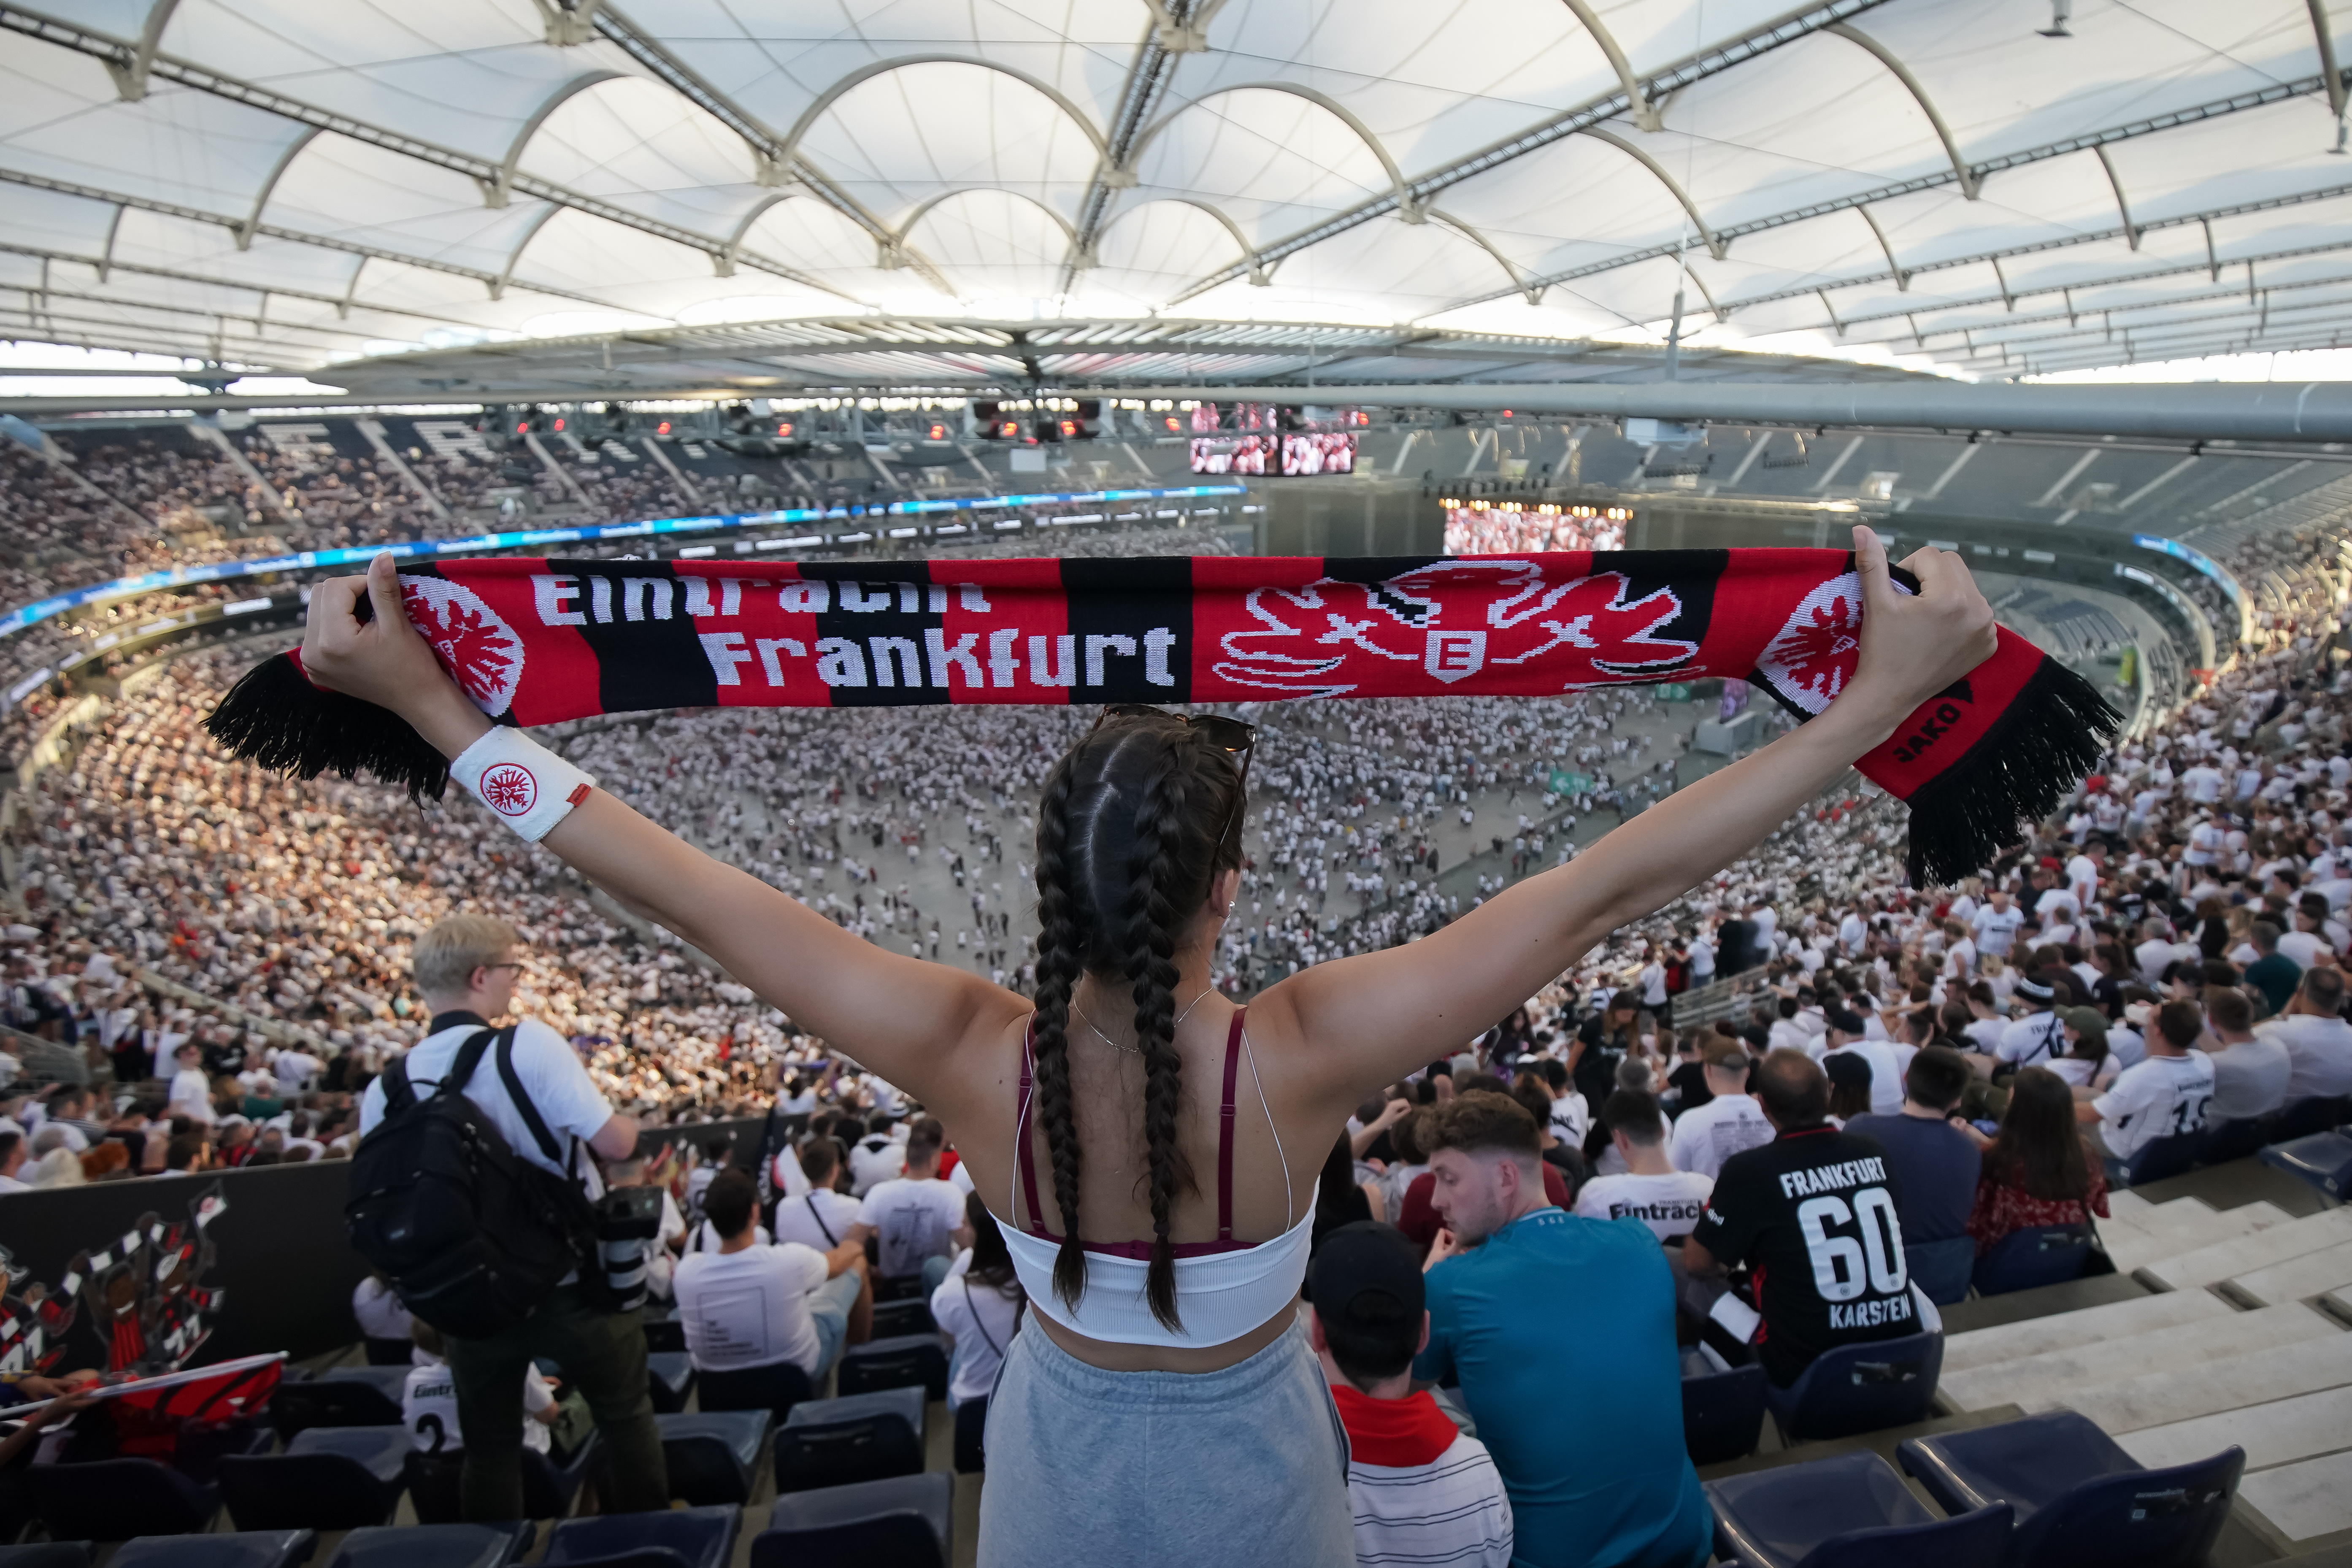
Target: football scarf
(536,641)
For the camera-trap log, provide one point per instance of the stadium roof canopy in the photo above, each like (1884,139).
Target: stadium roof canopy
(945,190)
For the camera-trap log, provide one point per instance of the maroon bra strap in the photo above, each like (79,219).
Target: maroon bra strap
(1225,1132)
(1021,1134)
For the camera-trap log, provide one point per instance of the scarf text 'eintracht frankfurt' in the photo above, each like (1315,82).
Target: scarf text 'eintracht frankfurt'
(536,641)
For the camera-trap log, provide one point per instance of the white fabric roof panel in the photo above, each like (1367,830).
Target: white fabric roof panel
(571,168)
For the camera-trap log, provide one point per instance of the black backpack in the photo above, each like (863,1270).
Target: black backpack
(471,1236)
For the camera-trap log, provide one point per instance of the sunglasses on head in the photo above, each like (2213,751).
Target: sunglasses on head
(1234,737)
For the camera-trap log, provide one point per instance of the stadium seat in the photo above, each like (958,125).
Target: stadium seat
(2239,1139)
(907,1521)
(714,1455)
(433,1546)
(2306,1117)
(912,1316)
(900,1362)
(775,1388)
(389,1353)
(898,1288)
(1850,1511)
(115,1499)
(664,1334)
(671,1373)
(862,1438)
(2323,1159)
(1941,1268)
(2080,1500)
(972,1436)
(345,1396)
(248,1549)
(1860,1388)
(47,1554)
(549,1486)
(1723,1413)
(681,1538)
(2162,1158)
(2037,1255)
(328,1477)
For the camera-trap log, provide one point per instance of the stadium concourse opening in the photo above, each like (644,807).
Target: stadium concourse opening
(1175,783)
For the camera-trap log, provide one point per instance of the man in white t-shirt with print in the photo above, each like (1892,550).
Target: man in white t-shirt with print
(1651,1190)
(466,968)
(747,1306)
(2166,1096)
(1707,1135)
(1995,924)
(916,1219)
(820,1217)
(2038,1038)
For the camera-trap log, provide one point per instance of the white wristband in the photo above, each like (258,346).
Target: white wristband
(529,787)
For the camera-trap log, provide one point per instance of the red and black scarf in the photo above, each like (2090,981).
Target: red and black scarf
(536,641)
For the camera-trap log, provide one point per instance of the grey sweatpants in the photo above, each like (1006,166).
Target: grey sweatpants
(1164,1470)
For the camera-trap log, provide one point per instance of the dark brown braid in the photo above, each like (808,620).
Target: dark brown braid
(1059,964)
(1153,922)
(1130,832)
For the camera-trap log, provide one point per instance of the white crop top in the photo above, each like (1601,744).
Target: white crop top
(1223,1287)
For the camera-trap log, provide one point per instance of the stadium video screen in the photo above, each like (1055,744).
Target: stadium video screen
(1232,454)
(1319,452)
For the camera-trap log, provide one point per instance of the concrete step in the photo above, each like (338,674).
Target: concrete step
(2039,1336)
(2172,1395)
(2246,1254)
(2304,1500)
(2045,1381)
(2279,1433)
(2127,1205)
(2298,1278)
(2138,1244)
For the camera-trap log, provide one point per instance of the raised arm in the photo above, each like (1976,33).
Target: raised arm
(1365,1021)
(900,1017)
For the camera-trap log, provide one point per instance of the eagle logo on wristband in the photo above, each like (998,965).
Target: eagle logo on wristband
(510,790)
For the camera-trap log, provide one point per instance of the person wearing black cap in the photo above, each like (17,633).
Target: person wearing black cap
(2038,1038)
(1422,1490)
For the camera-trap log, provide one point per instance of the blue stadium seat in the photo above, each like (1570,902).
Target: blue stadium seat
(249,1549)
(900,1362)
(345,1396)
(1850,1511)
(1723,1413)
(671,1375)
(1941,1268)
(328,1477)
(912,1316)
(713,1455)
(680,1538)
(863,1437)
(2323,1159)
(549,1486)
(906,1521)
(775,1388)
(2314,1114)
(2162,1158)
(433,1546)
(115,1499)
(2037,1255)
(665,1334)
(972,1436)
(47,1554)
(1860,1388)
(2079,1499)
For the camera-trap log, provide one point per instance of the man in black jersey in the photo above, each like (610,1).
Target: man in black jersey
(1812,1216)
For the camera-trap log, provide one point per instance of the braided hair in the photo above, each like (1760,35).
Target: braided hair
(1134,824)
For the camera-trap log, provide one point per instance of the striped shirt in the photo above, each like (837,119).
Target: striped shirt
(1422,1492)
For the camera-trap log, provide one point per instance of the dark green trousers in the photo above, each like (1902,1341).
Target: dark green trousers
(602,1356)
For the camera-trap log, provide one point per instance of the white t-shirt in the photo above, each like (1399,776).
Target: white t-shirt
(785,1172)
(983,1319)
(191,1095)
(871,1160)
(2163,1096)
(2303,946)
(2318,1054)
(808,1219)
(428,1406)
(295,1069)
(2035,1040)
(1571,1118)
(1886,1074)
(1705,1137)
(750,1307)
(911,1220)
(1996,930)
(2085,1073)
(550,1073)
(1670,1205)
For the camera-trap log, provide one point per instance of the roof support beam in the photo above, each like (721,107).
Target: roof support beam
(2123,206)
(2325,37)
(17,19)
(245,231)
(2259,98)
(1483,243)
(129,73)
(1178,27)
(1725,55)
(1965,175)
(1902,276)
(522,242)
(1716,247)
(341,302)
(1645,113)
(497,189)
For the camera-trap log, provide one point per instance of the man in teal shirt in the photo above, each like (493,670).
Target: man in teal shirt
(1561,1331)
(2273,972)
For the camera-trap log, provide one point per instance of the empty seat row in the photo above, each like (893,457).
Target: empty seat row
(1850,1390)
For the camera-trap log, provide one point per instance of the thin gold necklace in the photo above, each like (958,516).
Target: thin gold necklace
(1136,1050)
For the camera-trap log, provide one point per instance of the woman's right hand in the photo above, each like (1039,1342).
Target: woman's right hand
(1914,645)
(383,660)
